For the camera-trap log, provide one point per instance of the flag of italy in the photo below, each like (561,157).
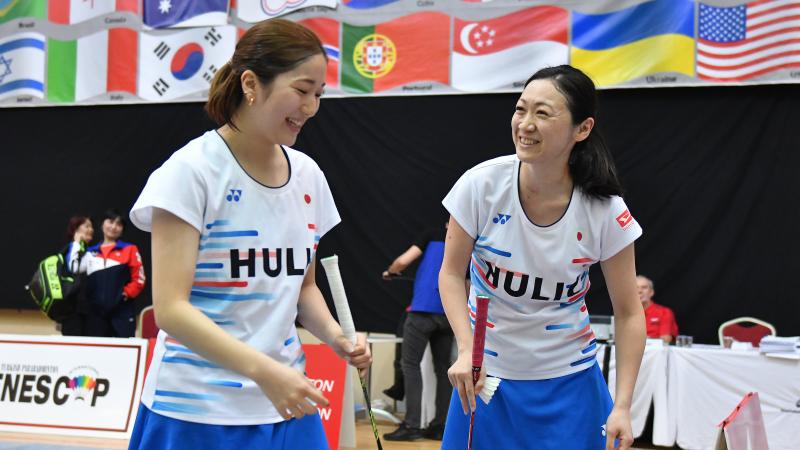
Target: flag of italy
(92,65)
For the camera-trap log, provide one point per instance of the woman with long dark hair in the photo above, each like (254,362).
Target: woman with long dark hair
(528,226)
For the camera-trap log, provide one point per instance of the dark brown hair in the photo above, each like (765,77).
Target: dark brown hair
(269,48)
(74,223)
(591,164)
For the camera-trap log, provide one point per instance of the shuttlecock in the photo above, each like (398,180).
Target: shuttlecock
(489,386)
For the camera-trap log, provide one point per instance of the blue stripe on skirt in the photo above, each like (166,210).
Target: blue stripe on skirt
(564,413)
(153,431)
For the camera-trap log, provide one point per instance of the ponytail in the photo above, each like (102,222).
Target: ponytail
(224,96)
(591,167)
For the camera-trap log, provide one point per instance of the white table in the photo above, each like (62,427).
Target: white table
(651,387)
(705,383)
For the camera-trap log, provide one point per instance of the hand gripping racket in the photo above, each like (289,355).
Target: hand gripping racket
(331,266)
(478,341)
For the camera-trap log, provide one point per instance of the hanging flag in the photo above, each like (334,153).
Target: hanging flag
(20,9)
(182,63)
(413,48)
(257,10)
(505,51)
(184,13)
(327,30)
(742,42)
(652,37)
(92,65)
(366,4)
(67,12)
(22,65)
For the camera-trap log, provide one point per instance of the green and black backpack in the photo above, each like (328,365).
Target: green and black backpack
(52,287)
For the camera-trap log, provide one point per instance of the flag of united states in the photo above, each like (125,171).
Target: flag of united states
(742,42)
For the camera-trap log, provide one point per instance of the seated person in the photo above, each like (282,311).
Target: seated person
(660,319)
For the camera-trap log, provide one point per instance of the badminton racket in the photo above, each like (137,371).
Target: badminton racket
(478,341)
(331,266)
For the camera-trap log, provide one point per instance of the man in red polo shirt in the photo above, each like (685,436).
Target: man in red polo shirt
(660,319)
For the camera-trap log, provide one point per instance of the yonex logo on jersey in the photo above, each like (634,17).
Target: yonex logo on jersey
(624,219)
(234,196)
(501,218)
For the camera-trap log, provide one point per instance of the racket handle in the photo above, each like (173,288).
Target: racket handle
(331,266)
(478,343)
(479,335)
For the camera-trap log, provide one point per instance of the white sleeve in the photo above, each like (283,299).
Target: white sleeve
(73,263)
(462,203)
(327,214)
(176,187)
(620,229)
(84,264)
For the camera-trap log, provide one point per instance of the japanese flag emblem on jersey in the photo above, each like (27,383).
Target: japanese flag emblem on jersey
(179,64)
(624,219)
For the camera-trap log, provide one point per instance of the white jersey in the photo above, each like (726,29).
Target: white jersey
(256,243)
(536,277)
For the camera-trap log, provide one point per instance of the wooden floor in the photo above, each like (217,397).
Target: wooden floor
(365,440)
(56,442)
(26,321)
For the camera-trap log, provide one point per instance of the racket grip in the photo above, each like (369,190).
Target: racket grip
(331,266)
(479,335)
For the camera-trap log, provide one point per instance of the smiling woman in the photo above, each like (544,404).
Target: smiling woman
(527,227)
(236,216)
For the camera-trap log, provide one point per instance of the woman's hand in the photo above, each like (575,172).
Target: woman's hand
(358,356)
(293,395)
(460,375)
(388,275)
(618,429)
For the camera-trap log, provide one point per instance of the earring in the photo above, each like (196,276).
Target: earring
(250,100)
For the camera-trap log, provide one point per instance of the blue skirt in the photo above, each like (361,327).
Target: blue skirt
(564,413)
(156,432)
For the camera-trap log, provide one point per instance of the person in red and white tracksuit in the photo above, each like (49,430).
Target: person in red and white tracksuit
(115,277)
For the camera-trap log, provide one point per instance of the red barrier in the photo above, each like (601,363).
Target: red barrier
(327,371)
(151,346)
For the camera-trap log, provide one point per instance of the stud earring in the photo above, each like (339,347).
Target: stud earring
(250,100)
